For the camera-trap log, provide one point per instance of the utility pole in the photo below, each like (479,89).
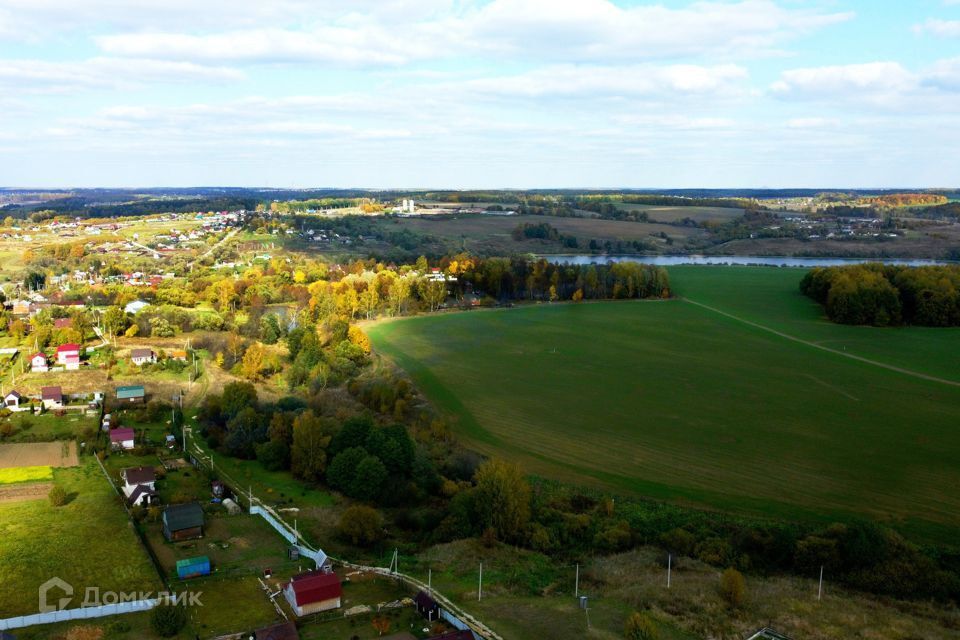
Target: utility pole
(480,587)
(669,567)
(820,588)
(576,583)
(430,581)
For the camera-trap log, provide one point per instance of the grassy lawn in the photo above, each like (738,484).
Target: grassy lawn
(236,545)
(28,427)
(677,402)
(91,530)
(25,474)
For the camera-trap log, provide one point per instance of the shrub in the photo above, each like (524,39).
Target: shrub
(168,619)
(639,626)
(361,525)
(57,496)
(733,588)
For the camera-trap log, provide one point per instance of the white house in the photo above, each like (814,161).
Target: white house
(136,306)
(52,397)
(122,438)
(141,357)
(12,401)
(38,363)
(68,355)
(139,485)
(313,591)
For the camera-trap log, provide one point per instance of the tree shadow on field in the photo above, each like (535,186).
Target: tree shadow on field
(71,497)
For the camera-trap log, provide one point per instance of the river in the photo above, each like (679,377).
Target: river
(767,261)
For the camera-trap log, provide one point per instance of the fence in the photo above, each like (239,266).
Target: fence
(83,613)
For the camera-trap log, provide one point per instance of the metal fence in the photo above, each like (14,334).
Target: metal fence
(83,613)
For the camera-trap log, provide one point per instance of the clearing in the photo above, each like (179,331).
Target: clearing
(38,454)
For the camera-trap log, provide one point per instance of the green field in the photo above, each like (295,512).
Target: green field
(680,402)
(91,530)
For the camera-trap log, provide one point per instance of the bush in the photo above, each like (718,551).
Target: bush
(57,496)
(733,588)
(168,619)
(361,525)
(639,626)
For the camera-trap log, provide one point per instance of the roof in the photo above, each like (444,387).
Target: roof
(51,393)
(315,586)
(139,491)
(136,306)
(141,353)
(183,516)
(424,601)
(191,562)
(68,347)
(135,391)
(62,323)
(137,475)
(121,434)
(177,353)
(15,394)
(39,354)
(279,631)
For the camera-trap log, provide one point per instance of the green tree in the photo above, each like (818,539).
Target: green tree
(343,468)
(361,525)
(167,619)
(353,433)
(237,396)
(502,499)
(308,454)
(369,479)
(393,446)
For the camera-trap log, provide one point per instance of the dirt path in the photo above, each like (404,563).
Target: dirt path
(882,365)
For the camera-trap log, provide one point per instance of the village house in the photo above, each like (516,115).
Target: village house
(177,354)
(122,438)
(313,592)
(12,401)
(139,485)
(183,521)
(62,323)
(136,306)
(141,357)
(131,394)
(68,355)
(52,397)
(38,363)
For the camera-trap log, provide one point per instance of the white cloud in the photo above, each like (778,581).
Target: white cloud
(591,82)
(813,123)
(939,28)
(41,76)
(569,31)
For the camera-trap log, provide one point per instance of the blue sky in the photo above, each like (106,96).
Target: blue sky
(480,93)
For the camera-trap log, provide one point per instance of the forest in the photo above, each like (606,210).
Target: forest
(887,295)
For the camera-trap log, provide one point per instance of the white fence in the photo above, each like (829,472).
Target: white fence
(84,613)
(292,537)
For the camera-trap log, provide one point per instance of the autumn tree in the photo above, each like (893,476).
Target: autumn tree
(253,361)
(733,588)
(433,292)
(361,525)
(308,453)
(502,498)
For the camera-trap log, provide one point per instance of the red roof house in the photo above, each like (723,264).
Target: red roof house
(313,591)
(122,438)
(68,354)
(62,323)
(38,362)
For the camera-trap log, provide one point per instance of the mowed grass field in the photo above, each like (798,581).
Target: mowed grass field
(675,401)
(86,542)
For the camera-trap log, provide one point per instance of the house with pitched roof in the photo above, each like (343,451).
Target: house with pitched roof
(313,591)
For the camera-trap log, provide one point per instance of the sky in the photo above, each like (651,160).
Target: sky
(480,93)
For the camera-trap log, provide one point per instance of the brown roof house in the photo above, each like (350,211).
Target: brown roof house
(139,485)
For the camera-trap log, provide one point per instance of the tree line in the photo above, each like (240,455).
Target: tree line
(887,295)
